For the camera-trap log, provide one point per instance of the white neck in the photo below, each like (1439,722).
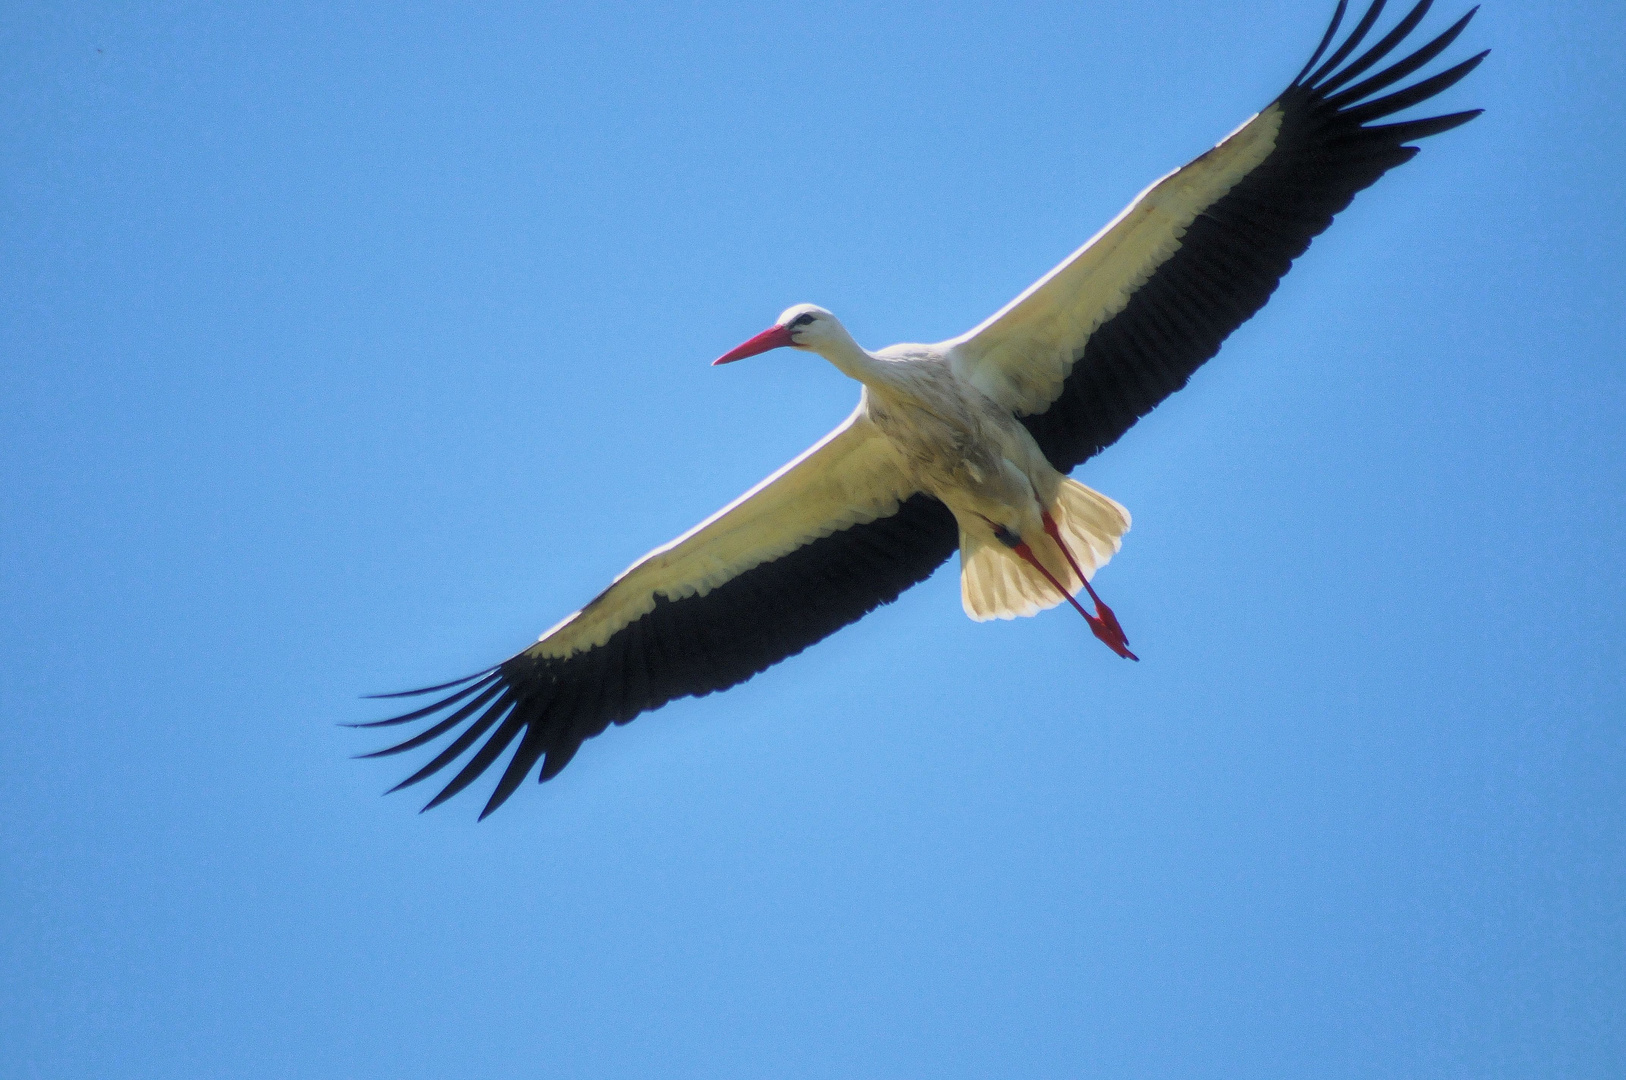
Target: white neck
(850,358)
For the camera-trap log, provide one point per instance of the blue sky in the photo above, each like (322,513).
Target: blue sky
(346,348)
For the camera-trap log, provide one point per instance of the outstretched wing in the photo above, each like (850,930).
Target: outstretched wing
(817,545)
(1103,338)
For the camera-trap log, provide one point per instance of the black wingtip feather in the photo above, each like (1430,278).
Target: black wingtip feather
(530,748)
(428,710)
(1396,72)
(1356,36)
(1377,52)
(482,759)
(1326,39)
(1422,129)
(1414,94)
(437,730)
(460,744)
(558,757)
(430,689)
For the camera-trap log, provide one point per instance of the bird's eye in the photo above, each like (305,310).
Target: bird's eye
(802,320)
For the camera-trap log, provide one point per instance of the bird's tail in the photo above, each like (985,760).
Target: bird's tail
(996,584)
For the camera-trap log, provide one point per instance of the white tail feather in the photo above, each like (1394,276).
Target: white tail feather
(996,583)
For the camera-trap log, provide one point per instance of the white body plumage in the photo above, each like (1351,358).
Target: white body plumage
(952,441)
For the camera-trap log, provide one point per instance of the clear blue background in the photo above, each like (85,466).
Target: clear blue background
(345,348)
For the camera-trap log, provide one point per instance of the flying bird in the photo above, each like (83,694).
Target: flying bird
(964,445)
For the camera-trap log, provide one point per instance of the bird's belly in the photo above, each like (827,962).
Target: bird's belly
(962,464)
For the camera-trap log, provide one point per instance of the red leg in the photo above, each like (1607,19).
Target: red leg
(1109,633)
(1121,647)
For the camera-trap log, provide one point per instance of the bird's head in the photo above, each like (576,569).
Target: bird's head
(805,326)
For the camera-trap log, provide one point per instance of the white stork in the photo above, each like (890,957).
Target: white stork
(965,444)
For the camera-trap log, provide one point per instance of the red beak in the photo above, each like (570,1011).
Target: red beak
(775,337)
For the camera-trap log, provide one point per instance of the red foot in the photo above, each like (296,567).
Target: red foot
(1104,622)
(1111,634)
